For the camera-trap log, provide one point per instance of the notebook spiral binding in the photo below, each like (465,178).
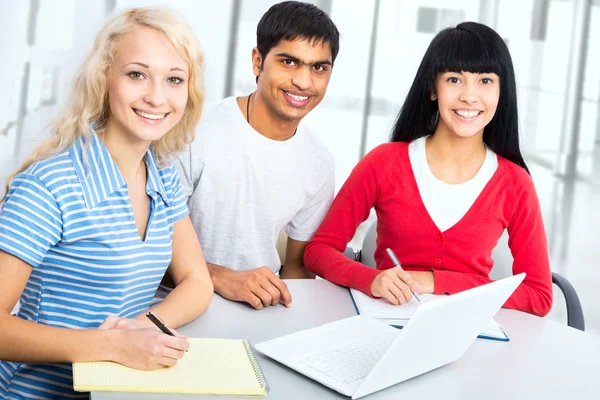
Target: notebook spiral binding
(255,366)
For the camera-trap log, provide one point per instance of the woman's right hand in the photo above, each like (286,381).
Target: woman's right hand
(394,285)
(148,349)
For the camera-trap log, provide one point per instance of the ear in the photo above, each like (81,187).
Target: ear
(257,61)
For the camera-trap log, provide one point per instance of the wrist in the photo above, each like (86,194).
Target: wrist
(219,276)
(111,349)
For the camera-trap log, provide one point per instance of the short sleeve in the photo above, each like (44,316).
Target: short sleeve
(30,220)
(308,218)
(189,166)
(178,206)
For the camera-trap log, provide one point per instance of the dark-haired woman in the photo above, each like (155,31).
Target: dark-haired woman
(446,187)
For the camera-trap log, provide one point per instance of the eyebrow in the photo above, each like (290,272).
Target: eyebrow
(296,59)
(148,67)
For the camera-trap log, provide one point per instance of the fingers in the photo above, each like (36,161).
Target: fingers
(179,335)
(398,293)
(408,279)
(265,296)
(264,288)
(285,297)
(391,286)
(173,343)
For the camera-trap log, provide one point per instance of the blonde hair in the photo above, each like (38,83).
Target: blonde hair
(88,100)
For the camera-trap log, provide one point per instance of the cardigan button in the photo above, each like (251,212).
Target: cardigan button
(438,261)
(441,238)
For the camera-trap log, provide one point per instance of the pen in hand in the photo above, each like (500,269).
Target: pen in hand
(161,325)
(397,264)
(156,321)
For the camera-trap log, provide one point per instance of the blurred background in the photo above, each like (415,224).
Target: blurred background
(555,46)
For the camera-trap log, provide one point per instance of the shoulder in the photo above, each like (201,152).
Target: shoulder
(516,177)
(217,112)
(216,108)
(317,149)
(218,117)
(45,177)
(57,169)
(169,175)
(387,153)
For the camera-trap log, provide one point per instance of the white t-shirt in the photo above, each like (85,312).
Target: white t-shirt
(446,203)
(243,188)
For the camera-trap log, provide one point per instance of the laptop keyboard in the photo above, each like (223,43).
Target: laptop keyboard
(351,361)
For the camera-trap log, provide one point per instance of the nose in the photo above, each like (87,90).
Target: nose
(302,78)
(155,94)
(469,93)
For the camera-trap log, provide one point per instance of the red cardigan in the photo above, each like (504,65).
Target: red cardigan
(459,257)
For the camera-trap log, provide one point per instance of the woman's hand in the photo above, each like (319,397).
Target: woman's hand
(147,348)
(395,285)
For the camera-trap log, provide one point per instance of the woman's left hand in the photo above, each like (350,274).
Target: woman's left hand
(425,280)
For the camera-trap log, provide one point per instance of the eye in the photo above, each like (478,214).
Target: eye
(136,75)
(289,62)
(487,81)
(453,79)
(320,68)
(175,80)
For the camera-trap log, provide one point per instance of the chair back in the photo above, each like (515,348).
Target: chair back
(367,255)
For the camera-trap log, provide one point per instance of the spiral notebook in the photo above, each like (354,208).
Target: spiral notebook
(398,316)
(211,367)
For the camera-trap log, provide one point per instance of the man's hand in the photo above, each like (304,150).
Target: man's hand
(258,287)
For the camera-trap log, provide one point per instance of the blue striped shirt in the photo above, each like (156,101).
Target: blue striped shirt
(75,226)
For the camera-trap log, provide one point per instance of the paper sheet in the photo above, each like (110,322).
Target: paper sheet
(212,366)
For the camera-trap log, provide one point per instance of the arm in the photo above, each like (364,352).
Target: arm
(189,176)
(26,341)
(30,224)
(324,253)
(193,286)
(527,242)
(294,268)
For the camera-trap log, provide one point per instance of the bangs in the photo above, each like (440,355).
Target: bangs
(467,51)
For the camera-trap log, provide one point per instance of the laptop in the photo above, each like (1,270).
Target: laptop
(358,356)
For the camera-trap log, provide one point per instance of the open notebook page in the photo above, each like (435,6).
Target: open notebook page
(212,366)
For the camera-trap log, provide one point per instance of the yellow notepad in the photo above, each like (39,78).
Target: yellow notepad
(211,367)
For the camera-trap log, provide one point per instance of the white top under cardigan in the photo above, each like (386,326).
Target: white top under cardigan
(446,203)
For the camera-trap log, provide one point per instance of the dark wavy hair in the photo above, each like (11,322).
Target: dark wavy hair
(470,47)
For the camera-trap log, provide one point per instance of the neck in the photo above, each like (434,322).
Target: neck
(450,149)
(128,154)
(264,121)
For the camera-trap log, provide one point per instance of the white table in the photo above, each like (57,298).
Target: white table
(543,360)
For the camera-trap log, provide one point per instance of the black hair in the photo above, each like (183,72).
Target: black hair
(470,47)
(291,20)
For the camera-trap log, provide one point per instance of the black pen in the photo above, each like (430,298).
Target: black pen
(397,264)
(161,325)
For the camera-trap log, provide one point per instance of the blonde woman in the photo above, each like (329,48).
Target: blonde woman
(96,214)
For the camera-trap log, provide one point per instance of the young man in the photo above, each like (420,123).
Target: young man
(254,170)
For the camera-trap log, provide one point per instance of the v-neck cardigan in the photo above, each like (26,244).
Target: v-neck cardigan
(460,257)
